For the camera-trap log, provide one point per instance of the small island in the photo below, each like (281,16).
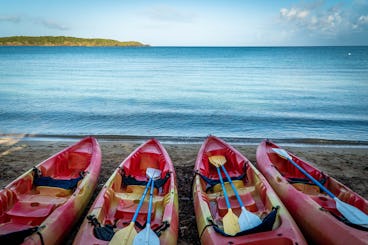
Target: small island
(65,41)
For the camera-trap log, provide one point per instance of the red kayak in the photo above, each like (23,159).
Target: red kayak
(277,226)
(42,205)
(313,210)
(115,205)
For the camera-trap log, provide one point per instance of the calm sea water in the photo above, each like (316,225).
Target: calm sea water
(296,92)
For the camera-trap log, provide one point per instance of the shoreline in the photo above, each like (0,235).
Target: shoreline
(298,142)
(19,153)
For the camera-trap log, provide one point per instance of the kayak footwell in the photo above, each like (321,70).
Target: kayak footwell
(277,226)
(118,200)
(314,211)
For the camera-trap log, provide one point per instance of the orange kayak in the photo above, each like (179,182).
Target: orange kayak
(115,205)
(277,226)
(313,210)
(42,205)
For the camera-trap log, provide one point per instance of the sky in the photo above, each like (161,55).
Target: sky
(192,22)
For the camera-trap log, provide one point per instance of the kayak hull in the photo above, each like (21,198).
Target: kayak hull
(256,194)
(119,197)
(27,203)
(309,207)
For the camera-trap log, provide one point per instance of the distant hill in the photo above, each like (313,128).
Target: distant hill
(64,41)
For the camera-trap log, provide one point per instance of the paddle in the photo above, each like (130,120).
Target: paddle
(351,213)
(127,234)
(230,220)
(147,235)
(247,220)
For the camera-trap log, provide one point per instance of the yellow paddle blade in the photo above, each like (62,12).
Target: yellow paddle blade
(230,222)
(124,236)
(218,160)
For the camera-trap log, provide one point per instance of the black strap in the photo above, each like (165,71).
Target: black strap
(104,233)
(60,183)
(162,228)
(130,180)
(41,237)
(18,237)
(347,222)
(212,182)
(266,225)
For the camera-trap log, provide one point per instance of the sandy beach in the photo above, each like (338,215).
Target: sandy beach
(346,163)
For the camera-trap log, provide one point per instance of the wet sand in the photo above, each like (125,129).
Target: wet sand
(347,164)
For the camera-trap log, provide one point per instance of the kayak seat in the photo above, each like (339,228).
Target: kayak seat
(53,191)
(126,210)
(43,198)
(306,186)
(30,213)
(211,184)
(247,199)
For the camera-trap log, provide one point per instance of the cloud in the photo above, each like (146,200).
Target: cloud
(361,23)
(13,19)
(293,13)
(53,25)
(169,14)
(50,24)
(323,20)
(363,19)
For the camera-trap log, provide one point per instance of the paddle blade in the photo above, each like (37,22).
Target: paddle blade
(218,160)
(124,236)
(248,220)
(153,173)
(231,223)
(351,213)
(146,236)
(281,153)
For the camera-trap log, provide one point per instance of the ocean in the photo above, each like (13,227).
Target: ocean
(245,92)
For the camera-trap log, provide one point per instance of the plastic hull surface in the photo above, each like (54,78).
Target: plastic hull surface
(313,210)
(119,198)
(26,203)
(256,194)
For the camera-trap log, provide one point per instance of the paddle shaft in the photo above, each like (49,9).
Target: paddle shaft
(223,188)
(311,178)
(141,201)
(150,203)
(232,186)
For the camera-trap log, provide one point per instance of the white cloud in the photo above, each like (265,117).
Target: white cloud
(293,13)
(50,24)
(318,19)
(14,19)
(169,14)
(363,19)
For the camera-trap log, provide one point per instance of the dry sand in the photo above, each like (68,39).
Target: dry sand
(347,164)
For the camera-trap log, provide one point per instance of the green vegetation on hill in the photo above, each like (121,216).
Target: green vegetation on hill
(64,41)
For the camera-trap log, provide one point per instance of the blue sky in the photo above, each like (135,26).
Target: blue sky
(193,23)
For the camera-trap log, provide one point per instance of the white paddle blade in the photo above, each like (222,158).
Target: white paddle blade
(282,153)
(153,173)
(248,220)
(146,236)
(351,213)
